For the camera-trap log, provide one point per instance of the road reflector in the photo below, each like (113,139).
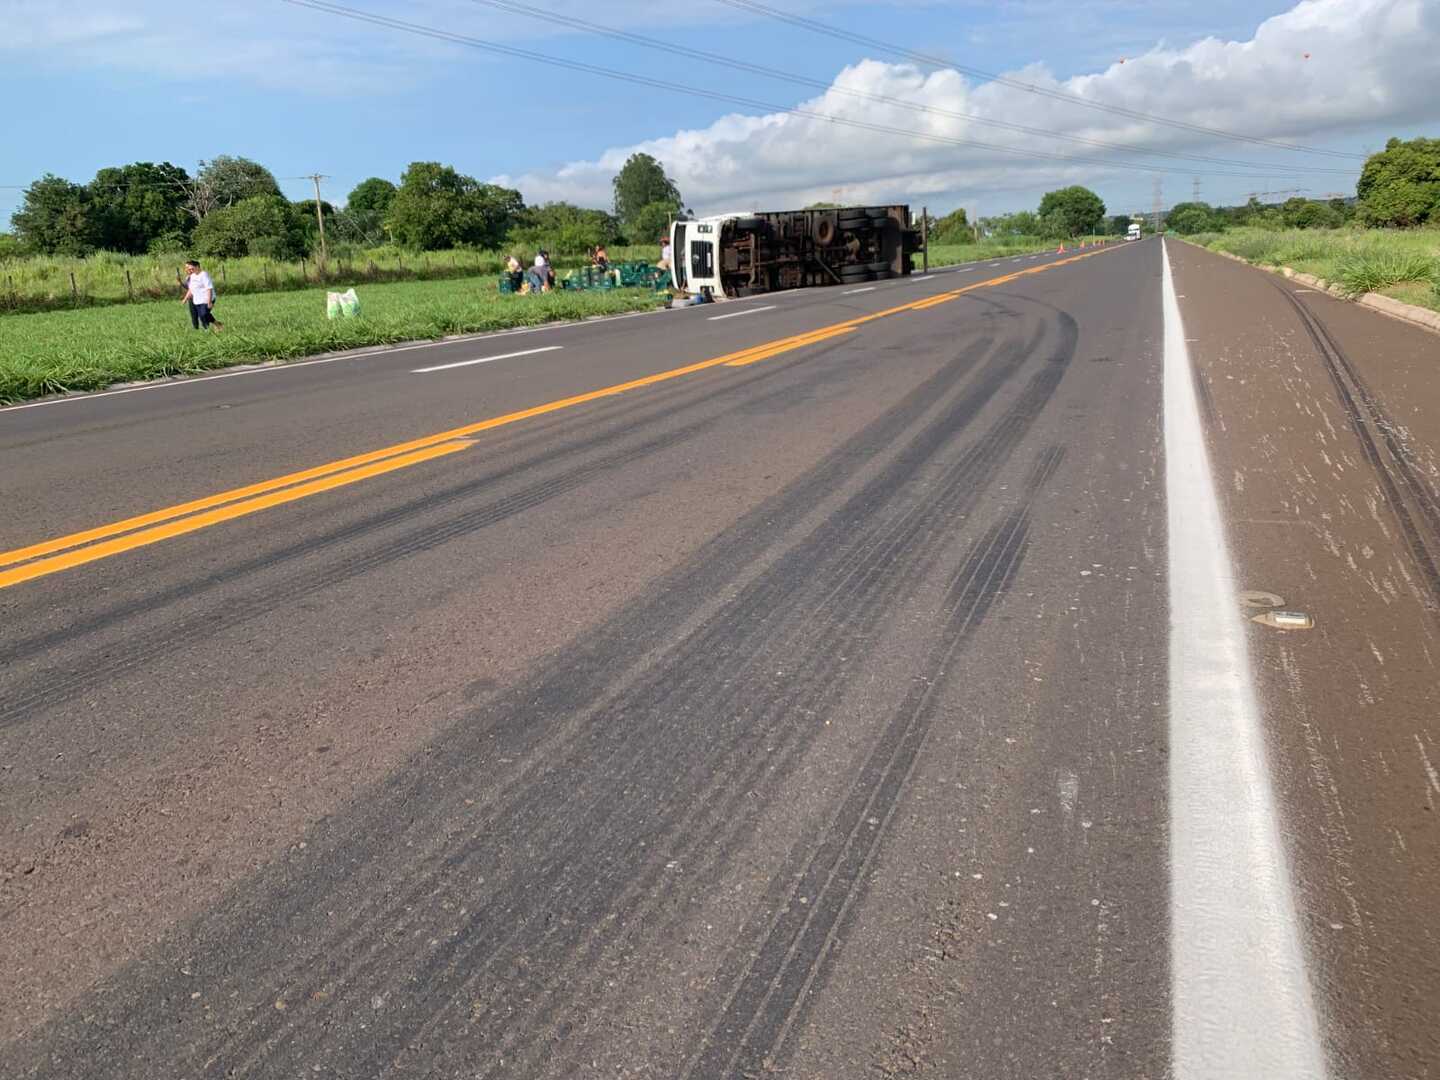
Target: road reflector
(1285,620)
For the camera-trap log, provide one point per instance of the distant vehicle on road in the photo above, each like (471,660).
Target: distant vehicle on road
(1134,232)
(747,254)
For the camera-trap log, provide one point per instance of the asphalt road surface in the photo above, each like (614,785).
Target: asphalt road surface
(836,684)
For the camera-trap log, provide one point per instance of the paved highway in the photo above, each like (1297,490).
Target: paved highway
(835,684)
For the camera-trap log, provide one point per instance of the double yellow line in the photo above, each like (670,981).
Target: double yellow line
(76,549)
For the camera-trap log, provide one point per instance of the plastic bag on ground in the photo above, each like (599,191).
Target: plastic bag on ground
(332,305)
(349,304)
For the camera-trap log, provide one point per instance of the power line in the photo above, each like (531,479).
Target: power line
(751,103)
(884,99)
(818,27)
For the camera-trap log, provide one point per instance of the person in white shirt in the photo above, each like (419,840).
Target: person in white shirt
(541,277)
(200,295)
(664,263)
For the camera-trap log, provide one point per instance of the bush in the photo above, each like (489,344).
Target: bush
(1371,271)
(260,225)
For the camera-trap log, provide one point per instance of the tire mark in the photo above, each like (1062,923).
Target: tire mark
(521,722)
(835,567)
(106,663)
(763,1008)
(1343,377)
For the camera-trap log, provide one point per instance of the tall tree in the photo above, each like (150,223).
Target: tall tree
(373,194)
(563,229)
(953,228)
(55,218)
(224,181)
(640,183)
(1400,186)
(437,207)
(136,205)
(1073,210)
(260,225)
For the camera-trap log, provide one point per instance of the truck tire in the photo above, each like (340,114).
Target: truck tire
(853,273)
(877,267)
(824,231)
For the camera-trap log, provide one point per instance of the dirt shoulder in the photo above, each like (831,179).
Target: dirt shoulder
(1324,424)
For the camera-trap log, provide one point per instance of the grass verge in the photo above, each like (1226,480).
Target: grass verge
(57,352)
(1404,265)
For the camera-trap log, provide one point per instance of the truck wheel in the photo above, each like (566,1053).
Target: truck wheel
(824,231)
(849,274)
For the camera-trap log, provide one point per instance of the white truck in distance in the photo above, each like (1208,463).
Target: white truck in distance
(1134,233)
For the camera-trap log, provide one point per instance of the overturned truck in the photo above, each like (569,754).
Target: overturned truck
(746,254)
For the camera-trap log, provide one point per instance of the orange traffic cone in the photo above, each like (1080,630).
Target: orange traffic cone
(1061,249)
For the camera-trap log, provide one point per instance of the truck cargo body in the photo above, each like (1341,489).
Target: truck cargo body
(747,254)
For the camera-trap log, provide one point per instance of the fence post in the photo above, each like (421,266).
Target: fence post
(302,272)
(10,281)
(223,281)
(129,288)
(74,290)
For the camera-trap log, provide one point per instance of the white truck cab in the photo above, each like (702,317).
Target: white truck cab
(1134,233)
(694,261)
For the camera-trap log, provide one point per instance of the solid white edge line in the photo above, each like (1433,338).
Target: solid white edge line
(852,292)
(737,314)
(1240,995)
(484,359)
(923,277)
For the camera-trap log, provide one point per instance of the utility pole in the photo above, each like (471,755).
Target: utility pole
(1159,195)
(320,216)
(1195,189)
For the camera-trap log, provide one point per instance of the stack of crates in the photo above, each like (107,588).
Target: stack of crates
(628,275)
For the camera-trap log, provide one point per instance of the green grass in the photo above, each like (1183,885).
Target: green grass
(1403,264)
(94,347)
(953,254)
(43,283)
(91,349)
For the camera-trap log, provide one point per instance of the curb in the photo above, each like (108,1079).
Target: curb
(1386,305)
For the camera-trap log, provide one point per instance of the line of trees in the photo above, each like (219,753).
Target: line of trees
(1399,188)
(232,207)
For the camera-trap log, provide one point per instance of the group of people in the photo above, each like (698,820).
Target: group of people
(540,277)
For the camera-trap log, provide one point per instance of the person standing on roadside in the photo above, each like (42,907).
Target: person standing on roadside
(200,293)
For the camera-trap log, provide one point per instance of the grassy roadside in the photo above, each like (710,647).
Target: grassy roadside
(954,254)
(1403,265)
(44,283)
(91,349)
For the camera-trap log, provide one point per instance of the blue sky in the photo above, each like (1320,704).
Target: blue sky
(302,91)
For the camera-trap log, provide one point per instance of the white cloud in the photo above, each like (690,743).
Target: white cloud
(1322,70)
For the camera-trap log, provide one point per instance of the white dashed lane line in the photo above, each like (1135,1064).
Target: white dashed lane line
(737,314)
(484,359)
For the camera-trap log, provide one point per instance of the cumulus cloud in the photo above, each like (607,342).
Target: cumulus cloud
(1322,70)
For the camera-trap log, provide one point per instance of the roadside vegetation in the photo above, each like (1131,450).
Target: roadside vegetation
(1385,239)
(1405,264)
(88,350)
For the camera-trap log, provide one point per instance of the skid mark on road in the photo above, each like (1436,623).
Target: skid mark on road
(655,742)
